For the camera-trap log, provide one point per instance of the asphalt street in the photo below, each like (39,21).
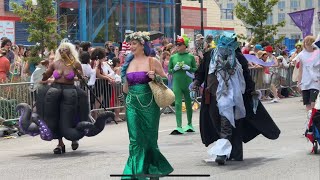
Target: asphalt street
(288,157)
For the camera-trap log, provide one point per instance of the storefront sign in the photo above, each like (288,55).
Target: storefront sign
(7,30)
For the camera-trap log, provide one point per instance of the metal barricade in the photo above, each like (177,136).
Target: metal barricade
(259,77)
(109,94)
(11,94)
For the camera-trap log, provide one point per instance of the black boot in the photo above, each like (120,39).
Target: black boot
(74,145)
(221,160)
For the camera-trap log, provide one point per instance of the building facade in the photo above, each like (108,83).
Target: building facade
(280,13)
(215,20)
(97,20)
(101,20)
(10,26)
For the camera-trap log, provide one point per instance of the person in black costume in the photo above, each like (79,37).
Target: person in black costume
(214,127)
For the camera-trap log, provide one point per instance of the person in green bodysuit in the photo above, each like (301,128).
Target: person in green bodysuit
(179,64)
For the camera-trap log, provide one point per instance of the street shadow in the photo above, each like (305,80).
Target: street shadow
(243,165)
(71,154)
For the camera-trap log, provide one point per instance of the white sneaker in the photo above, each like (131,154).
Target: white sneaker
(275,100)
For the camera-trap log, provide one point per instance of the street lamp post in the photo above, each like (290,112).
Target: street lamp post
(201,10)
(178,17)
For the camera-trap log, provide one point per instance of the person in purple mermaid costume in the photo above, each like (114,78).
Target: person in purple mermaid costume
(62,108)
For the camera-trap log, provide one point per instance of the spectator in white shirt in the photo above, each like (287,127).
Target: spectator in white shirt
(88,70)
(309,73)
(105,74)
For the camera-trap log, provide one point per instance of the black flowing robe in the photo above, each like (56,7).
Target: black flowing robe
(252,125)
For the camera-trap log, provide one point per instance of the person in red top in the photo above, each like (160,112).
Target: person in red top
(4,65)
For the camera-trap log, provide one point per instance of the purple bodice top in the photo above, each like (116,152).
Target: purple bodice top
(69,76)
(140,77)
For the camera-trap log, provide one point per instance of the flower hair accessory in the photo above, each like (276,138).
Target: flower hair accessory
(142,37)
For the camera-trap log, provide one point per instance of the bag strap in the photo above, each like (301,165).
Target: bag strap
(151,66)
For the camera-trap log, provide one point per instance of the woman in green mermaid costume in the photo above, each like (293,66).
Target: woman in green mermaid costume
(143,114)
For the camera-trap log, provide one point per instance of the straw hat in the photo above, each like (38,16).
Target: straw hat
(261,53)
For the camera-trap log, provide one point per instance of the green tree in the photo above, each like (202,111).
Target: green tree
(255,16)
(42,25)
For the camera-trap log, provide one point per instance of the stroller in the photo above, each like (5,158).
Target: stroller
(313,129)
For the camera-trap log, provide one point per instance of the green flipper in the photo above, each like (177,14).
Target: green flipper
(188,128)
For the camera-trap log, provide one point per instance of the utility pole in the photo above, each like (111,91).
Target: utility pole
(178,17)
(201,11)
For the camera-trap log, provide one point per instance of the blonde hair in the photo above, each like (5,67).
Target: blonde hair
(309,40)
(72,49)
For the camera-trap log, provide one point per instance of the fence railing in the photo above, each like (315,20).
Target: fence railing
(107,93)
(12,94)
(263,80)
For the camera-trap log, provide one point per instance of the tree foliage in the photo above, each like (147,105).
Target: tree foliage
(42,24)
(255,16)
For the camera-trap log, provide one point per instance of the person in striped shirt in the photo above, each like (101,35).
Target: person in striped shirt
(125,45)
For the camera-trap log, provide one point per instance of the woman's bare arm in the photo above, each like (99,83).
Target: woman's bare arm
(48,73)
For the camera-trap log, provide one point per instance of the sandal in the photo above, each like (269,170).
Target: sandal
(60,149)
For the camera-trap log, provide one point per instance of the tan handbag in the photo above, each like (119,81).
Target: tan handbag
(163,95)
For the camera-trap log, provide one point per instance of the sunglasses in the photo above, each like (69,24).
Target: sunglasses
(179,44)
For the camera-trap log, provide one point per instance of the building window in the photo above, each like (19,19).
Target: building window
(244,4)
(295,36)
(269,19)
(7,4)
(230,5)
(309,3)
(226,14)
(281,4)
(294,4)
(281,17)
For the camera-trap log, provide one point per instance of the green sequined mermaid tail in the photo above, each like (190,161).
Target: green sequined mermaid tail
(143,116)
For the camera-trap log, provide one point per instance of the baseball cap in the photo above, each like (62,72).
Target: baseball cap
(268,49)
(180,40)
(259,47)
(199,36)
